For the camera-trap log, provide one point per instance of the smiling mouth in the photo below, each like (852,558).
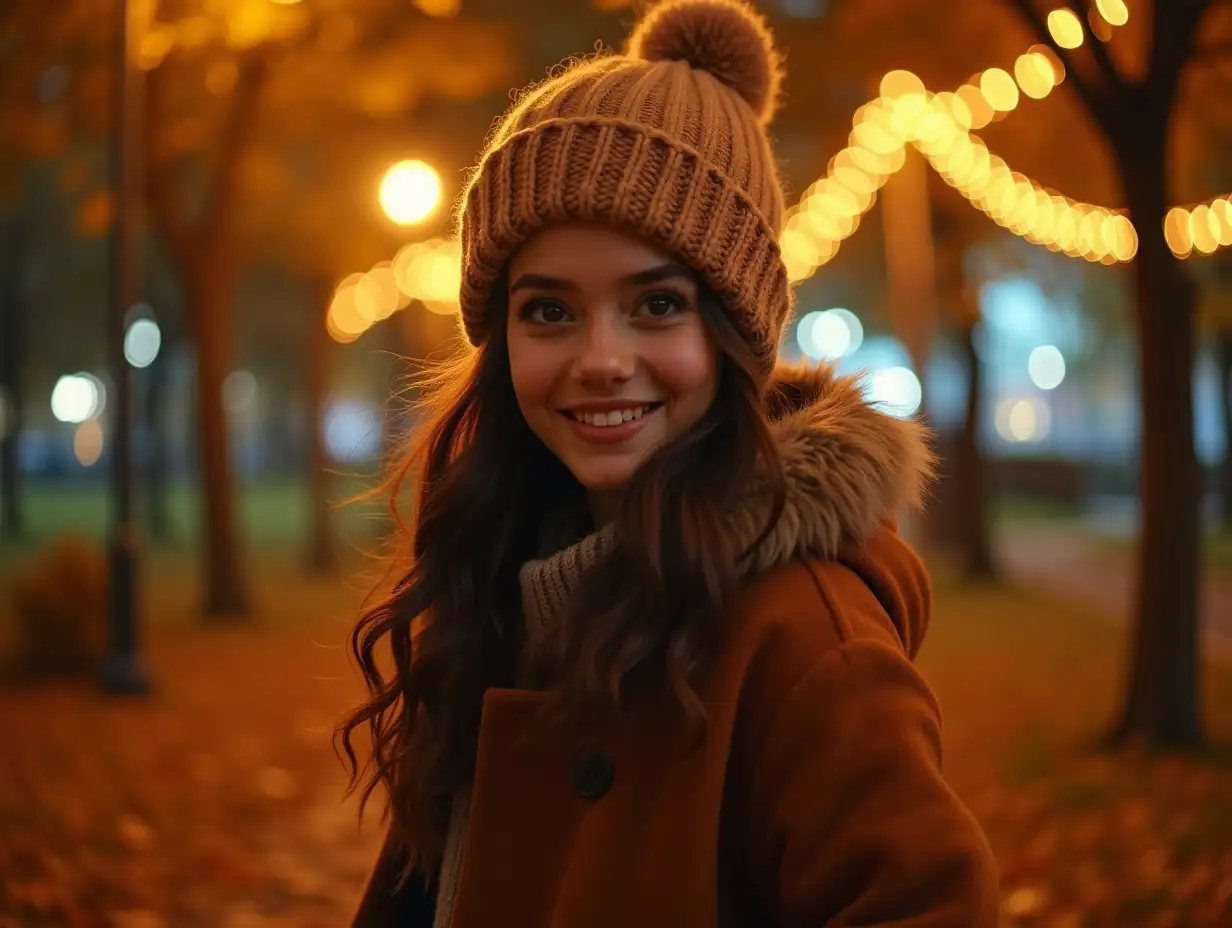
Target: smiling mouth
(612,417)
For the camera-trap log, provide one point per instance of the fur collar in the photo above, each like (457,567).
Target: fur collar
(849,467)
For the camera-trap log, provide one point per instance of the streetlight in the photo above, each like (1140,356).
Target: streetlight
(410,191)
(122,672)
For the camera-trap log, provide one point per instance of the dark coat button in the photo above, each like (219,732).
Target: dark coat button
(593,778)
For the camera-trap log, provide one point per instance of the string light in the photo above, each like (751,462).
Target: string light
(939,125)
(429,272)
(1065,28)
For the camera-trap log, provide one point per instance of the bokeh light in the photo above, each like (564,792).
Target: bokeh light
(77,398)
(410,191)
(897,390)
(88,442)
(352,432)
(900,84)
(1114,12)
(1065,28)
(142,342)
(1046,366)
(830,334)
(999,90)
(1035,75)
(1023,420)
(239,392)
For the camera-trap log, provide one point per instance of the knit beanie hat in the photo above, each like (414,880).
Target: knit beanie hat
(666,143)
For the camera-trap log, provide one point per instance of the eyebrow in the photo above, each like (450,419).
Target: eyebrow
(641,278)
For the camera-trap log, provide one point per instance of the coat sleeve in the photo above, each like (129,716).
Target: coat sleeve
(851,822)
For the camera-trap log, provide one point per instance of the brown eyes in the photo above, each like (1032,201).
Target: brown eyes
(662,305)
(657,305)
(544,312)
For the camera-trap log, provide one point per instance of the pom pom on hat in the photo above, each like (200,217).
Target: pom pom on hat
(723,37)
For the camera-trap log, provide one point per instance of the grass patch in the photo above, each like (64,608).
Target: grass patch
(1216,549)
(271,512)
(1018,512)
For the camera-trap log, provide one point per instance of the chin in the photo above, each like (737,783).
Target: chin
(605,476)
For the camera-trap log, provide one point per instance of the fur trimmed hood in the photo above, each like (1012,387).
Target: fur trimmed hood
(849,468)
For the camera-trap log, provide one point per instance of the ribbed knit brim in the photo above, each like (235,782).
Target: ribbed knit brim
(593,169)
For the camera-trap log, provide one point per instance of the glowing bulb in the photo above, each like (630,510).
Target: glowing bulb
(1114,12)
(1034,75)
(1178,231)
(999,90)
(1205,227)
(410,191)
(901,84)
(1065,28)
(1221,214)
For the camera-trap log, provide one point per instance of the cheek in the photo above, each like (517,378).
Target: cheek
(687,368)
(533,373)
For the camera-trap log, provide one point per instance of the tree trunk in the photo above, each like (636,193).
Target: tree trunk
(1161,702)
(225,593)
(158,515)
(320,554)
(971,473)
(1224,366)
(12,394)
(12,521)
(205,256)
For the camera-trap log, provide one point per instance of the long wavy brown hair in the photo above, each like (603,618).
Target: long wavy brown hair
(650,613)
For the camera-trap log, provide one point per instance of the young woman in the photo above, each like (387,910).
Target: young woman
(652,652)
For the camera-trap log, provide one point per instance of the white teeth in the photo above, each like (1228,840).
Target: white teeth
(615,417)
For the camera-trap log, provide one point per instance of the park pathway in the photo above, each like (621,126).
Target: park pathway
(1076,564)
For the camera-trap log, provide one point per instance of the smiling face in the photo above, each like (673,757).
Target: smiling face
(609,355)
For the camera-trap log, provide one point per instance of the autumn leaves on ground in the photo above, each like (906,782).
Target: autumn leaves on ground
(217,800)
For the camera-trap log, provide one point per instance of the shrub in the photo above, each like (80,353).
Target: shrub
(59,604)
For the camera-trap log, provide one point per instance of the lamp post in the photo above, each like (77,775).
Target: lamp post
(122,672)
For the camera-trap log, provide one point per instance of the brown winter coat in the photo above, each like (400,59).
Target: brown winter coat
(816,798)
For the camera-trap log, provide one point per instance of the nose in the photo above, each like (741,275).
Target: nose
(606,354)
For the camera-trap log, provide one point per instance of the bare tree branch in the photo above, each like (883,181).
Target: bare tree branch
(1095,103)
(1099,52)
(1175,29)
